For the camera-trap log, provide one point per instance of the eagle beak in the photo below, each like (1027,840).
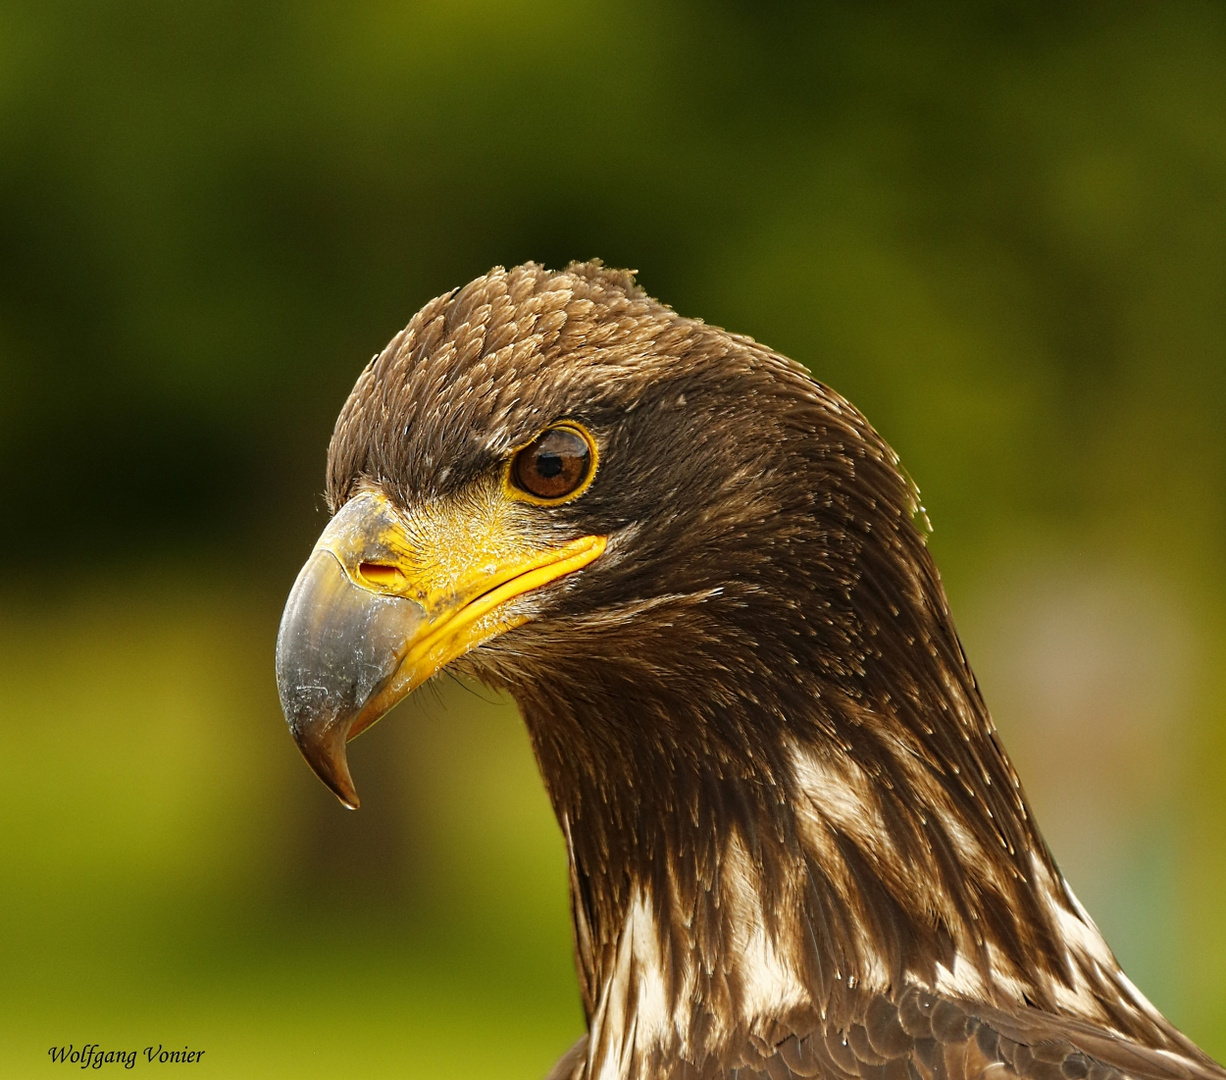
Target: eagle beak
(386,600)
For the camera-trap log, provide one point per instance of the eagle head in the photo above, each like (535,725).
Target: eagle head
(703,577)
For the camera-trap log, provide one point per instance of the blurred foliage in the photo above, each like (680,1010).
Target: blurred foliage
(999,228)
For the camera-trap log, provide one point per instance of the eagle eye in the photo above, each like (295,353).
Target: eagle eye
(555,465)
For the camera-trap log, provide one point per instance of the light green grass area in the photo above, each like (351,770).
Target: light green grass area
(173,876)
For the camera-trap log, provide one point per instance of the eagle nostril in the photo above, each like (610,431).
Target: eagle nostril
(381,575)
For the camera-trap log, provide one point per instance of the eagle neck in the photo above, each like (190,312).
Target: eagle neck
(716,888)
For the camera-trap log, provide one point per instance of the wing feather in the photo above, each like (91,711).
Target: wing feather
(918,1035)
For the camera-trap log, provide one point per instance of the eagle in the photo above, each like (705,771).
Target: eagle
(796,845)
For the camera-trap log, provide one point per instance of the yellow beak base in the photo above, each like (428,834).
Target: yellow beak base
(385,601)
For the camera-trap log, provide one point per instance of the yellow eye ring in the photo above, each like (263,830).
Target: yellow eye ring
(556,467)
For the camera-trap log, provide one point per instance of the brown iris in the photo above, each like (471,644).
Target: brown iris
(555,465)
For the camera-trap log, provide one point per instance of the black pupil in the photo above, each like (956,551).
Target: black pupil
(553,466)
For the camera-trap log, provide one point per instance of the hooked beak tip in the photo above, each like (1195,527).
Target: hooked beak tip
(324,751)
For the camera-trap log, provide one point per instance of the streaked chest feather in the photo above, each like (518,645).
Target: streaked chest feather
(686,981)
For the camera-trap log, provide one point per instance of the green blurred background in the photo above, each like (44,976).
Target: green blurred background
(999,228)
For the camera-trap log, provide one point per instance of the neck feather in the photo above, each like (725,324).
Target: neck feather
(717,885)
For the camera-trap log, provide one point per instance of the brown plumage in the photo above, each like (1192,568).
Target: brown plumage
(796,845)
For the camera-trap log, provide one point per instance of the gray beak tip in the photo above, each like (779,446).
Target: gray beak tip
(338,645)
(324,750)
